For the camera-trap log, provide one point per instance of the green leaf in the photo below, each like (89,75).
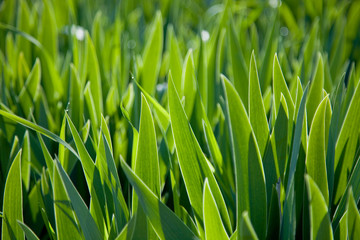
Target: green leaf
(26,161)
(316,90)
(274,216)
(163,116)
(246,229)
(152,55)
(341,231)
(238,64)
(315,157)
(176,62)
(353,217)
(354,184)
(188,87)
(250,180)
(193,164)
(146,162)
(256,108)
(13,202)
(288,219)
(320,224)
(66,223)
(30,235)
(280,87)
(93,73)
(38,129)
(166,224)
(348,137)
(86,222)
(48,30)
(30,91)
(279,137)
(214,229)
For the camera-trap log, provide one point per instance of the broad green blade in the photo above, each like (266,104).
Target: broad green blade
(274,216)
(166,224)
(320,224)
(288,219)
(29,234)
(86,222)
(238,64)
(353,218)
(163,116)
(48,30)
(193,164)
(341,231)
(84,157)
(13,202)
(93,74)
(315,157)
(128,231)
(66,222)
(188,83)
(279,137)
(309,50)
(256,108)
(38,129)
(354,184)
(26,161)
(316,90)
(30,91)
(152,56)
(247,231)
(280,87)
(175,62)
(146,163)
(348,136)
(250,179)
(214,229)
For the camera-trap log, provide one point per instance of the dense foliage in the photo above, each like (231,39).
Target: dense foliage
(179,119)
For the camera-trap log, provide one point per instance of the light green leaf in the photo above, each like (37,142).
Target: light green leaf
(26,161)
(146,164)
(250,180)
(48,30)
(65,220)
(30,235)
(256,108)
(193,164)
(13,202)
(176,62)
(341,231)
(279,86)
(166,224)
(188,83)
(315,157)
(348,137)
(288,219)
(152,55)
(316,90)
(38,129)
(163,116)
(87,223)
(29,92)
(320,224)
(353,218)
(238,64)
(214,229)
(93,74)
(247,231)
(354,184)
